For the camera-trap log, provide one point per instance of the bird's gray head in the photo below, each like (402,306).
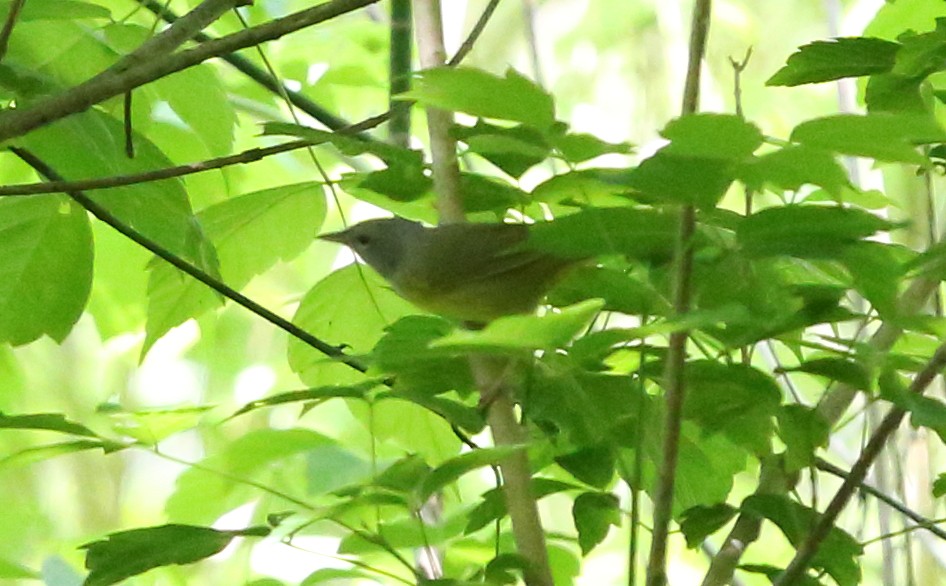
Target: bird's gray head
(382,244)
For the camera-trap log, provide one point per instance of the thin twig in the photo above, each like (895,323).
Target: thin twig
(107,217)
(922,522)
(806,552)
(676,356)
(9,23)
(475,33)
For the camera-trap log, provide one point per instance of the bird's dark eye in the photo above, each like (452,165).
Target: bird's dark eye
(362,239)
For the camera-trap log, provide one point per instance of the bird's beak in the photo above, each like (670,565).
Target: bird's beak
(339,237)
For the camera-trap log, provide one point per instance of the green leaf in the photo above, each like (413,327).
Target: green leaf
(598,187)
(699,164)
(404,351)
(45,267)
(45,421)
(593,465)
(640,233)
(700,522)
(201,496)
(581,147)
(841,370)
(335,576)
(719,137)
(352,305)
(772,573)
(13,571)
(350,145)
(621,292)
(453,469)
(877,269)
(793,166)
(159,209)
(838,552)
(514,150)
(129,553)
(493,504)
(884,136)
(804,431)
(836,59)
(251,233)
(521,332)
(478,93)
(806,231)
(55,10)
(594,513)
(894,93)
(939,486)
(152,426)
(188,93)
(310,396)
(45,452)
(736,400)
(922,54)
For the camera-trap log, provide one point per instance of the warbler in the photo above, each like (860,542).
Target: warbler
(470,272)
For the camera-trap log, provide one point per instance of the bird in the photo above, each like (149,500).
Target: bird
(469,272)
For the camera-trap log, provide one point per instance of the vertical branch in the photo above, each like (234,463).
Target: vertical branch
(490,375)
(443,147)
(399,127)
(676,357)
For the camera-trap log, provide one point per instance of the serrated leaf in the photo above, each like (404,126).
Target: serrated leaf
(793,166)
(45,267)
(804,431)
(736,400)
(514,150)
(700,522)
(482,94)
(939,486)
(594,513)
(922,54)
(836,59)
(129,553)
(806,231)
(884,136)
(581,147)
(711,136)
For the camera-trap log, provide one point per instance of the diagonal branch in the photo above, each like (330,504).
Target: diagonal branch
(773,479)
(806,552)
(107,217)
(112,82)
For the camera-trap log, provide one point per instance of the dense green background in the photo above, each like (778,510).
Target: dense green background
(107,350)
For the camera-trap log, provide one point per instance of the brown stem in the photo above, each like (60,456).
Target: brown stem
(676,357)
